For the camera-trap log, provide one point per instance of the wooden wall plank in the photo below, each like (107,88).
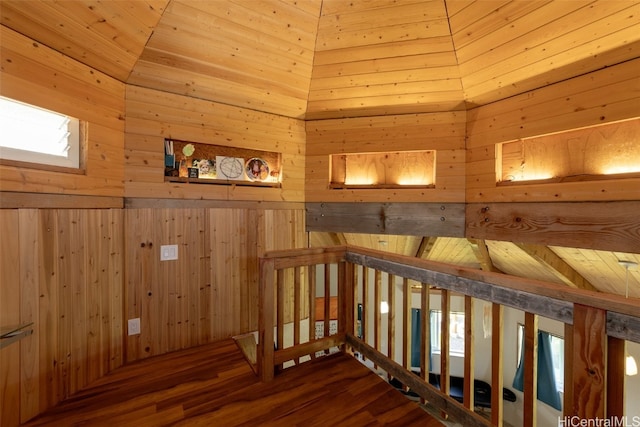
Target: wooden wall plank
(29,313)
(35,74)
(153,116)
(211,291)
(602,97)
(10,393)
(443,132)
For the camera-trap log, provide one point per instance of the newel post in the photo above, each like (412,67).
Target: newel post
(266,356)
(346,305)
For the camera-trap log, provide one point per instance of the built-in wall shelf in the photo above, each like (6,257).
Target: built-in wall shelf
(387,170)
(603,152)
(201,163)
(188,180)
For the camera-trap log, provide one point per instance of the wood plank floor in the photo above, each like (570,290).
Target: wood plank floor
(213,385)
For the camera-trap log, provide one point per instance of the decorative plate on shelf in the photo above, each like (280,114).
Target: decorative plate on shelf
(257,169)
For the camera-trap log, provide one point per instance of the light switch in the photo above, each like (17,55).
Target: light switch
(168,252)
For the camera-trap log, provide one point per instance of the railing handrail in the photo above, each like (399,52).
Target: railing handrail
(592,314)
(623,313)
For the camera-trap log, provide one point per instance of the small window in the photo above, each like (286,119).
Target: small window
(456,332)
(34,135)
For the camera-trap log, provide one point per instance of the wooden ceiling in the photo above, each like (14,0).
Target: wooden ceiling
(580,268)
(317,59)
(313,59)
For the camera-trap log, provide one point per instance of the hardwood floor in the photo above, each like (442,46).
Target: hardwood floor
(213,385)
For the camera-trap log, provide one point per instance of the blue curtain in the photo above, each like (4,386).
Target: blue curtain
(547,391)
(416,329)
(415,337)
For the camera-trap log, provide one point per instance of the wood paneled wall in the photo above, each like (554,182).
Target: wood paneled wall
(211,291)
(153,116)
(38,75)
(443,132)
(63,271)
(605,96)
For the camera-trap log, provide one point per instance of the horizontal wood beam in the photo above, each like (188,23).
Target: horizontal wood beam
(411,219)
(143,203)
(19,200)
(545,299)
(609,226)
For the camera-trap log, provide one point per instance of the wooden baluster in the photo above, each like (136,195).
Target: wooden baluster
(280,309)
(406,323)
(616,362)
(376,308)
(425,334)
(346,298)
(365,301)
(469,354)
(391,319)
(312,305)
(567,401)
(296,308)
(530,360)
(445,306)
(327,302)
(497,347)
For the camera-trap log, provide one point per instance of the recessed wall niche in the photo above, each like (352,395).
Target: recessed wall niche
(398,169)
(203,163)
(601,152)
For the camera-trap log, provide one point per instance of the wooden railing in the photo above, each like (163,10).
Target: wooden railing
(596,325)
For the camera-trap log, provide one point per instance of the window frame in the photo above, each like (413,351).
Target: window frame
(74,163)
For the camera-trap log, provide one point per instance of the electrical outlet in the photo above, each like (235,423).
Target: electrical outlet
(168,252)
(134,326)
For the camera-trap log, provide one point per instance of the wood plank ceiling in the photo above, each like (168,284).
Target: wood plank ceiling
(312,59)
(335,58)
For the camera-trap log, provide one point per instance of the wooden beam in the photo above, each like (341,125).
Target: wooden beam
(481,251)
(611,225)
(337,239)
(559,267)
(409,219)
(18,200)
(589,363)
(425,247)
